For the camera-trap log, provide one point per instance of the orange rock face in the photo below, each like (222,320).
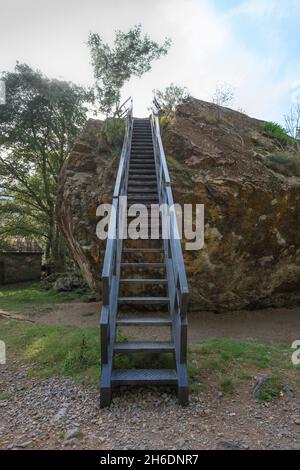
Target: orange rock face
(216,157)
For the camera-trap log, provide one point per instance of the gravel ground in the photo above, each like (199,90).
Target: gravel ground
(57,413)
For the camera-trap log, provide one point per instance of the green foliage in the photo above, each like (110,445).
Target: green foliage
(271,389)
(171,97)
(38,125)
(5,396)
(114,132)
(227,385)
(287,164)
(75,352)
(223,95)
(55,349)
(32,297)
(229,362)
(131,56)
(278,132)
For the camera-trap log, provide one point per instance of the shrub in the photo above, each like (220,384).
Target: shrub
(284,163)
(278,132)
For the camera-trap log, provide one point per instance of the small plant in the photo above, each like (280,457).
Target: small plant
(5,396)
(61,434)
(286,164)
(77,359)
(270,389)
(171,97)
(113,129)
(227,385)
(278,132)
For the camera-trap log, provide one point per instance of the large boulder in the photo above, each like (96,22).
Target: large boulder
(217,157)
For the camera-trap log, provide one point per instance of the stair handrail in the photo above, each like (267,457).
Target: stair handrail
(119,190)
(166,196)
(111,263)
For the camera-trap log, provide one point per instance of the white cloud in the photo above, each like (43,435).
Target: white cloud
(206,50)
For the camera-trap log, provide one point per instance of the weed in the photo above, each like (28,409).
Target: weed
(227,385)
(33,297)
(278,132)
(287,164)
(5,396)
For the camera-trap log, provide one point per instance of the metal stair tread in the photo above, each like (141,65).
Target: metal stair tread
(143,281)
(142,265)
(144,250)
(139,346)
(143,376)
(143,300)
(143,321)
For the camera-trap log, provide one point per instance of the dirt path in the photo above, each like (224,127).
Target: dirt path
(266,325)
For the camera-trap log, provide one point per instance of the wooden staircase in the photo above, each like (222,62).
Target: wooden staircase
(152,267)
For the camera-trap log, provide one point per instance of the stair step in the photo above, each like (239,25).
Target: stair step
(137,183)
(142,321)
(141,188)
(143,300)
(141,346)
(148,165)
(141,146)
(142,129)
(132,199)
(144,376)
(142,196)
(145,171)
(147,190)
(140,178)
(142,161)
(143,265)
(143,250)
(155,217)
(144,281)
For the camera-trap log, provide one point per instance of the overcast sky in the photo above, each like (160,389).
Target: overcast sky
(252,44)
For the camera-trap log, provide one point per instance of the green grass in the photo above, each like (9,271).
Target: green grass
(227,385)
(33,297)
(278,132)
(271,389)
(287,164)
(64,350)
(5,396)
(221,363)
(232,362)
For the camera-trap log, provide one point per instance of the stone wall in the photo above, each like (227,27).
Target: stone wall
(19,266)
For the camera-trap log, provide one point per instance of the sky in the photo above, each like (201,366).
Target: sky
(253,45)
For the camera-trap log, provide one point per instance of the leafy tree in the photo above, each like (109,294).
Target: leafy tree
(171,97)
(38,125)
(131,56)
(292,123)
(223,95)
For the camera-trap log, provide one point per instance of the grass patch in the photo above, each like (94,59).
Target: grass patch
(227,385)
(65,350)
(5,396)
(278,132)
(221,363)
(228,363)
(272,388)
(33,297)
(284,163)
